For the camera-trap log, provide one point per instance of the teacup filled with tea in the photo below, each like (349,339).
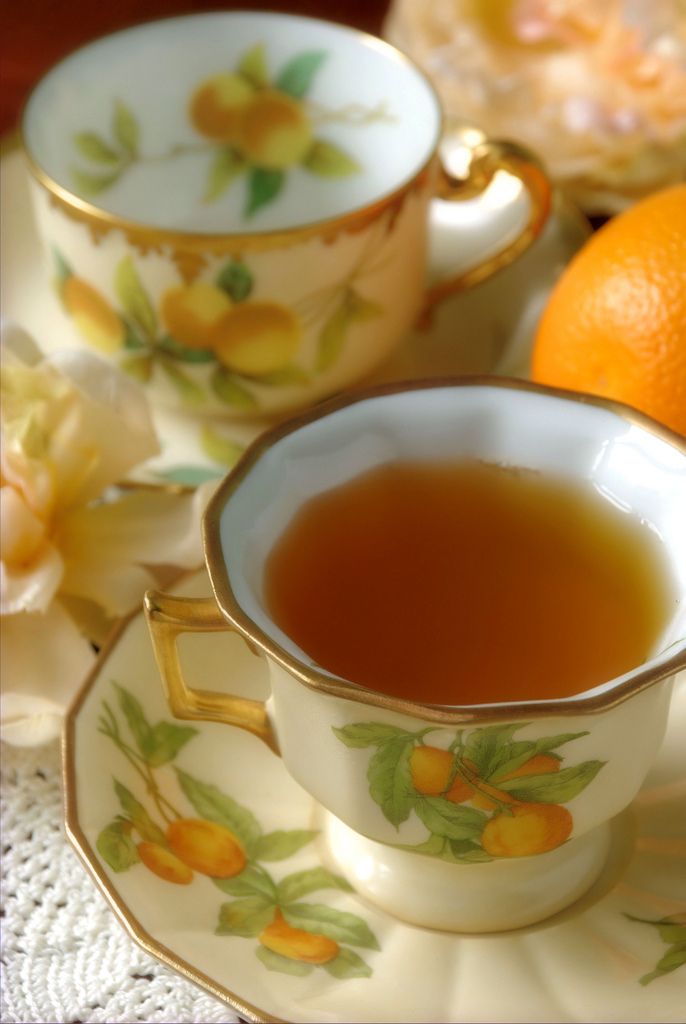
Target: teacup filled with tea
(471,595)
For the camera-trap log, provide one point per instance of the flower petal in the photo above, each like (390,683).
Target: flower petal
(21,532)
(31,588)
(104,546)
(44,659)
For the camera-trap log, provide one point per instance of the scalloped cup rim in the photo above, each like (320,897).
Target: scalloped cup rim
(598,699)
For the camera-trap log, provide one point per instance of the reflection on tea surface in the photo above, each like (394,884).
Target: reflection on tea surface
(469,583)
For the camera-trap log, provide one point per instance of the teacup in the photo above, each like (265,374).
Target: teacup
(235,205)
(328,729)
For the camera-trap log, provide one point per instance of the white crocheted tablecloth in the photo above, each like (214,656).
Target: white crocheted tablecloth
(65,957)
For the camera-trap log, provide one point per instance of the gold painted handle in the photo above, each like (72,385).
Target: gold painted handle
(469,162)
(167,617)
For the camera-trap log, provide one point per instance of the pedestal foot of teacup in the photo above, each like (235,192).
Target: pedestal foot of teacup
(494,896)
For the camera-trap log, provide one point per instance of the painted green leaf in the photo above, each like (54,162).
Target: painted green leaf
(132,339)
(287,376)
(673,958)
(302,883)
(283,964)
(296,77)
(125,128)
(138,816)
(329,161)
(133,296)
(253,66)
(116,847)
(188,476)
(252,881)
(348,965)
(90,145)
(335,924)
(187,389)
(236,280)
(211,803)
(466,852)
(515,754)
(245,917)
(331,339)
(554,787)
(225,165)
(368,734)
(62,268)
(483,746)
(264,185)
(390,783)
(174,348)
(454,821)
(220,448)
(228,390)
(135,718)
(167,740)
(91,184)
(282,844)
(670,929)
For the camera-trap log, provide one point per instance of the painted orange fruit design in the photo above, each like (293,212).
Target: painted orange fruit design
(93,316)
(297,944)
(206,847)
(225,848)
(190,312)
(487,795)
(256,338)
(164,864)
(217,106)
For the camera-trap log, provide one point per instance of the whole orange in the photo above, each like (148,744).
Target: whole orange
(615,323)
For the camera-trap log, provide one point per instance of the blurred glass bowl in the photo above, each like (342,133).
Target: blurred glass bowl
(598,89)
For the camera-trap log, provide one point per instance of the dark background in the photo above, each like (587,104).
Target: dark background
(36,33)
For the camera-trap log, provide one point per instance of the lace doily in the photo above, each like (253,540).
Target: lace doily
(65,957)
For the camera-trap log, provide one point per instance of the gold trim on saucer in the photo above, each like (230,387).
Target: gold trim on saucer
(237,618)
(92,864)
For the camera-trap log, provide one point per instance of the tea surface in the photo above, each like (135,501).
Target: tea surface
(468,583)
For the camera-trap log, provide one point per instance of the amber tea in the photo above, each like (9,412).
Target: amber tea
(468,583)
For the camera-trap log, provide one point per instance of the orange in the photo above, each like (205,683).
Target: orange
(256,338)
(615,323)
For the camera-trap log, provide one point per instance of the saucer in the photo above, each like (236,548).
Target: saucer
(488,329)
(619,953)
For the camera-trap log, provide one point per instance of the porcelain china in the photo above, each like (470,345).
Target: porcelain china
(617,954)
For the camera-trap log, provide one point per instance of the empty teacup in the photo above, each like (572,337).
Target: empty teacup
(234,205)
(471,595)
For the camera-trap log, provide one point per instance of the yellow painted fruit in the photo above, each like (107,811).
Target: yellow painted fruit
(93,315)
(206,847)
(527,829)
(430,769)
(276,131)
(217,106)
(164,864)
(296,944)
(189,312)
(256,338)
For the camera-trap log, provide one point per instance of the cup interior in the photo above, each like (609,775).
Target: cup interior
(232,122)
(640,471)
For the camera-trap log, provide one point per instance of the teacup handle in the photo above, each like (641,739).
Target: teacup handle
(467,177)
(169,615)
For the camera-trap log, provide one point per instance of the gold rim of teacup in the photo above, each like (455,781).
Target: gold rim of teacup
(310,676)
(139,234)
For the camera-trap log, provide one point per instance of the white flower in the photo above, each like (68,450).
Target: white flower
(72,556)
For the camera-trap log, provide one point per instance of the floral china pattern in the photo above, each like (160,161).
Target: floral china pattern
(254,126)
(487,796)
(223,840)
(216,327)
